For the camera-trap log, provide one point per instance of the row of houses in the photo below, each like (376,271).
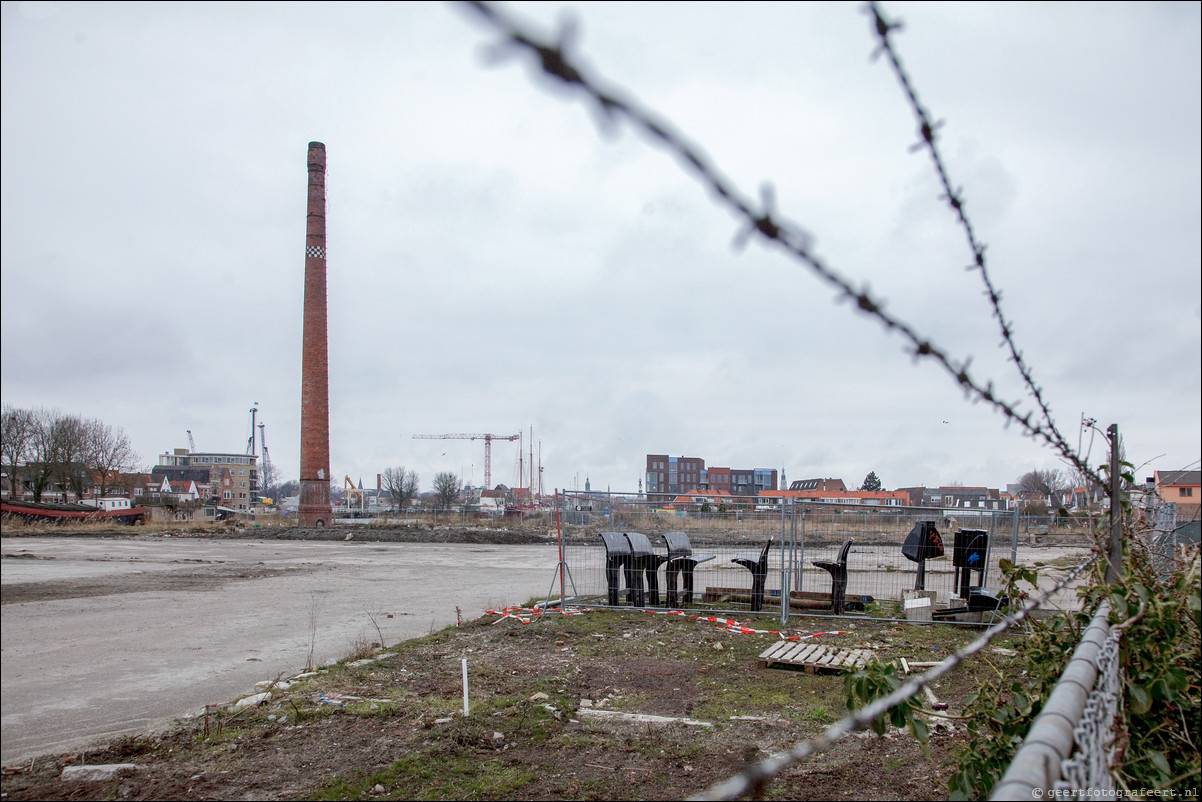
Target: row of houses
(1178,488)
(144,488)
(834,491)
(689,482)
(214,478)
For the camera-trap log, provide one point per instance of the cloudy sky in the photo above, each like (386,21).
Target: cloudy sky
(499,263)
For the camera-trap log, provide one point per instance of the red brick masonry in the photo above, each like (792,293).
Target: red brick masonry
(315,507)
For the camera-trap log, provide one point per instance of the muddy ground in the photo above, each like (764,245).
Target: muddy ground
(212,577)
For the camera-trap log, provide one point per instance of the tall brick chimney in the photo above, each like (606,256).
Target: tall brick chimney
(315,507)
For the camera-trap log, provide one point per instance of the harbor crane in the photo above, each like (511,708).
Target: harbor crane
(487,438)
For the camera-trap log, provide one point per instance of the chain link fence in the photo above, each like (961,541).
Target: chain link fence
(1071,745)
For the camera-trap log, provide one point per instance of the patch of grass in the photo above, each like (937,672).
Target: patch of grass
(222,735)
(629,702)
(581,740)
(367,707)
(792,695)
(819,713)
(420,776)
(522,717)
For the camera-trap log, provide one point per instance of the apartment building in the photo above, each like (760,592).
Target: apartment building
(668,477)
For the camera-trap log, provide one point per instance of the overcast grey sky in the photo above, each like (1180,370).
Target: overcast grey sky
(497,263)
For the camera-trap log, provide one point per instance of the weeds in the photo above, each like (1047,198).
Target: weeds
(375,624)
(361,647)
(314,616)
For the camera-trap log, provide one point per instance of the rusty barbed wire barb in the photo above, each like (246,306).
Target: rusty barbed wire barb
(552,58)
(928,133)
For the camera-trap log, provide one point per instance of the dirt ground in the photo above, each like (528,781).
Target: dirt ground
(390,725)
(394,727)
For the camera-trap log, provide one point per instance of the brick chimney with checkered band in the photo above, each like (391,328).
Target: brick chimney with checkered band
(315,507)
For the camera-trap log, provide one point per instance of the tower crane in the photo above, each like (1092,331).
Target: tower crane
(487,438)
(191,442)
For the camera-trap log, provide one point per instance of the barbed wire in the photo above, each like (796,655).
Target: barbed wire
(928,131)
(762,218)
(756,775)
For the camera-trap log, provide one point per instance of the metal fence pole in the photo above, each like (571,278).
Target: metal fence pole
(794,583)
(559,532)
(1116,508)
(1014,536)
(801,556)
(786,556)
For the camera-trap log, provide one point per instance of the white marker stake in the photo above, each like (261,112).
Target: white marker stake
(464,661)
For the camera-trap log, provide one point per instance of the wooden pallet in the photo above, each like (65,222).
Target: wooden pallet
(813,658)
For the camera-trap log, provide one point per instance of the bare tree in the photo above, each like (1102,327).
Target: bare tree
(1043,483)
(401,484)
(446,489)
(111,454)
(72,454)
(1043,486)
(271,480)
(43,450)
(16,441)
(67,450)
(287,489)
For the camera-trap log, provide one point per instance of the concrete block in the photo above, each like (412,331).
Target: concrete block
(919,605)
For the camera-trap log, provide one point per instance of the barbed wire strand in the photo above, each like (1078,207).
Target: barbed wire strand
(756,775)
(928,131)
(553,59)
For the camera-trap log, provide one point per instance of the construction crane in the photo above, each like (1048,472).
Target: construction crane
(266,459)
(351,493)
(487,438)
(191,442)
(250,442)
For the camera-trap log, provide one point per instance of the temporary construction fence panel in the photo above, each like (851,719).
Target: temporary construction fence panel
(802,533)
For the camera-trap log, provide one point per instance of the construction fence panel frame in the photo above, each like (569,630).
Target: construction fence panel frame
(803,533)
(1071,745)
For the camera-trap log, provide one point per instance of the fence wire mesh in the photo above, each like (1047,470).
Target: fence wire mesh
(1089,765)
(802,535)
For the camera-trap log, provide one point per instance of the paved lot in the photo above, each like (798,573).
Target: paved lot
(101,637)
